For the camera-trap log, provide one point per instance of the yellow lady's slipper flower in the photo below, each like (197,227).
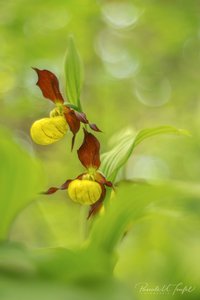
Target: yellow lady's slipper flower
(88,188)
(48,130)
(84,191)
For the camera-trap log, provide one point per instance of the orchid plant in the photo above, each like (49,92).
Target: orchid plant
(57,266)
(89,188)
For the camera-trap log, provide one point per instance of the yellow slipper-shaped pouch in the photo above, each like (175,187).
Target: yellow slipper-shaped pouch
(84,191)
(48,130)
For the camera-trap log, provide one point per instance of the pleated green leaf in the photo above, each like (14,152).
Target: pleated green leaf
(134,201)
(73,73)
(116,158)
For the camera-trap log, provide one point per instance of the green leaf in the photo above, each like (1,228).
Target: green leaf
(73,73)
(20,180)
(133,202)
(58,274)
(16,260)
(74,107)
(116,158)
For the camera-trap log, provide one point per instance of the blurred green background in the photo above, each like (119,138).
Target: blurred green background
(141,69)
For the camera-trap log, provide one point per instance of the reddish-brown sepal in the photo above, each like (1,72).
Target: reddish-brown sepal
(52,190)
(95,208)
(89,152)
(73,122)
(49,85)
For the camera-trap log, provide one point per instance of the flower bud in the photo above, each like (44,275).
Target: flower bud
(84,191)
(48,130)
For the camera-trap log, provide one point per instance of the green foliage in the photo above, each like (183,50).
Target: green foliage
(56,274)
(126,71)
(133,202)
(116,158)
(73,73)
(20,180)
(87,271)
(42,289)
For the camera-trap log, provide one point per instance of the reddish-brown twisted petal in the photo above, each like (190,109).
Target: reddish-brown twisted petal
(95,208)
(82,118)
(52,190)
(73,122)
(49,85)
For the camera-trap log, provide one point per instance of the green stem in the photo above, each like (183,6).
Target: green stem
(79,105)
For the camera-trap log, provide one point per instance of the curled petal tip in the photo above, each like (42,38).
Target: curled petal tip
(82,117)
(73,141)
(95,208)
(50,191)
(95,128)
(109,184)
